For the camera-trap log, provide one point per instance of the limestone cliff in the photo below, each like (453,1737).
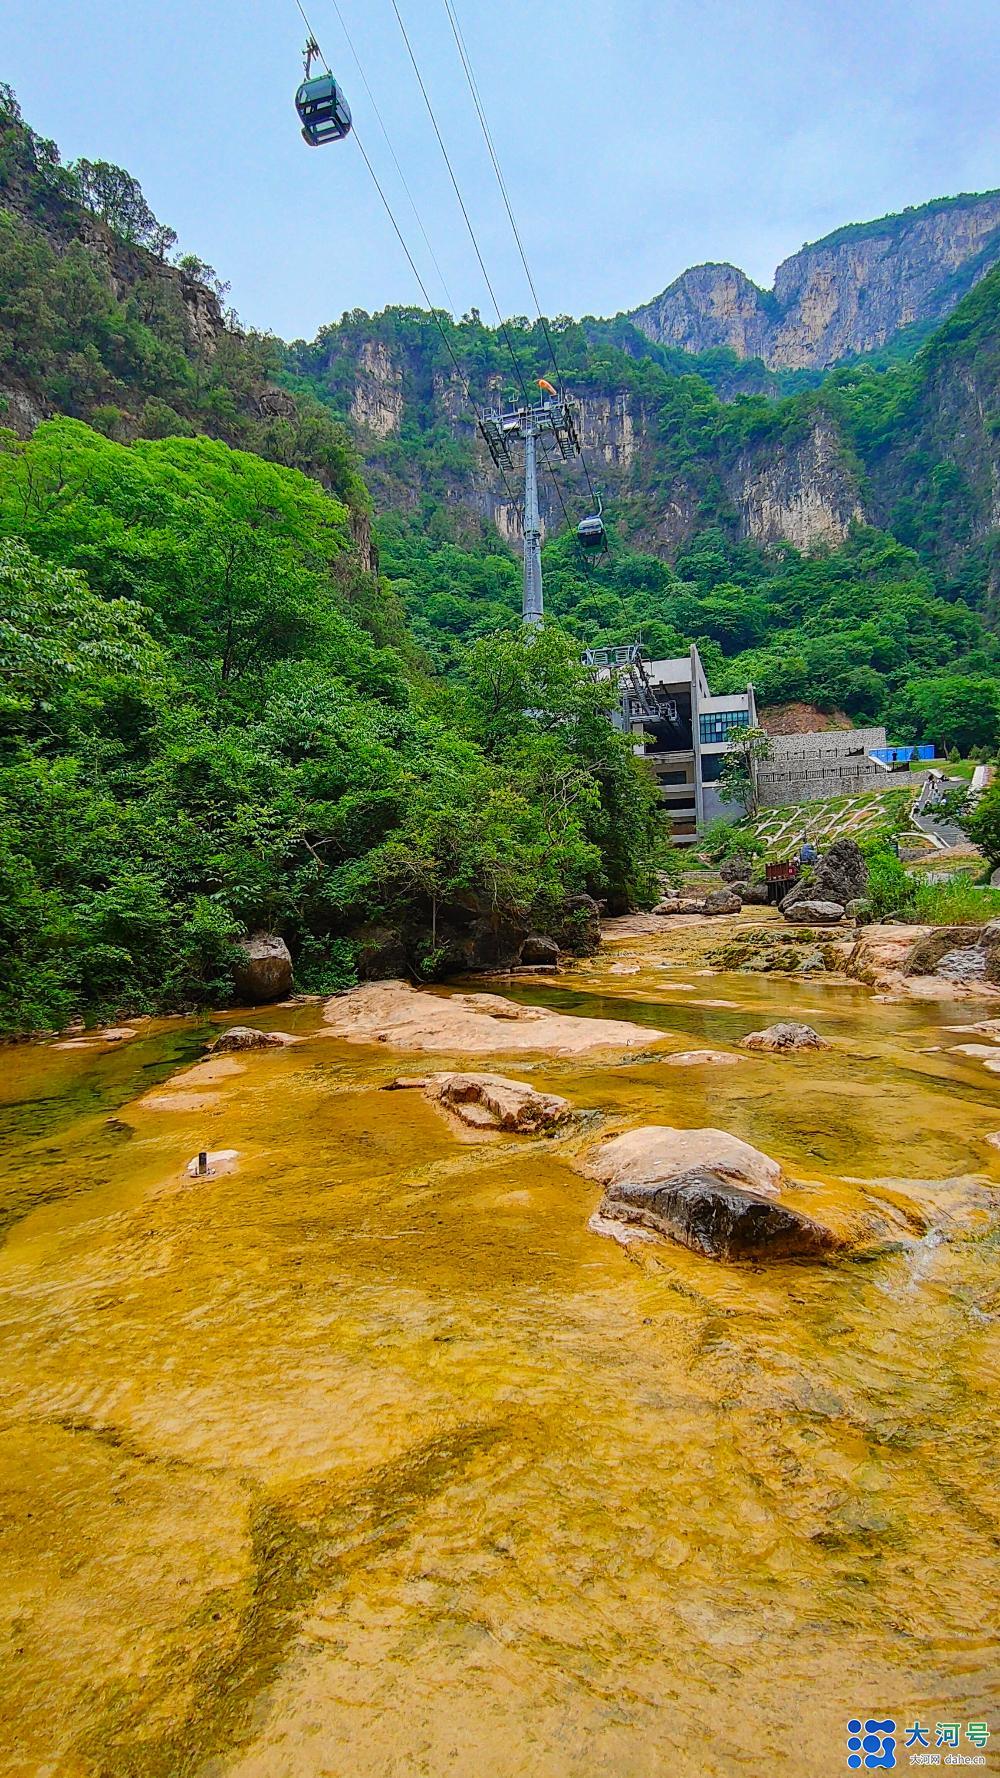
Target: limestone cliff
(847,294)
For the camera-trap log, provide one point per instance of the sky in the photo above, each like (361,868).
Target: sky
(637,138)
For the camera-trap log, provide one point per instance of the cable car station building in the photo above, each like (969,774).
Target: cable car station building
(681,729)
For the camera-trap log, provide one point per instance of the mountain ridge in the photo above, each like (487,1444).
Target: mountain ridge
(849,293)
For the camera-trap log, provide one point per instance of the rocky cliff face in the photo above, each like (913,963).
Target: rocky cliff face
(847,294)
(805,493)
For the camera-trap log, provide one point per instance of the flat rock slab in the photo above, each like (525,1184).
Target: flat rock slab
(655,1153)
(493,1102)
(472,1024)
(712,1215)
(784,1037)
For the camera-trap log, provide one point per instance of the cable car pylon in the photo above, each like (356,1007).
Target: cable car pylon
(526,425)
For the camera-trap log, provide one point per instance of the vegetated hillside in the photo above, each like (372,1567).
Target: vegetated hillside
(96,322)
(850,293)
(212,721)
(213,716)
(907,446)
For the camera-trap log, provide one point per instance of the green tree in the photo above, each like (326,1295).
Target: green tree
(748,747)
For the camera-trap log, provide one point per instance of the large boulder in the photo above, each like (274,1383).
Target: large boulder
(657,1152)
(813,913)
(722,901)
(263,969)
(754,895)
(493,1102)
(712,1215)
(784,1037)
(539,949)
(840,876)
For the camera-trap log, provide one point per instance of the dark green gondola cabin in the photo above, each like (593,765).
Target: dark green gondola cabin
(323,111)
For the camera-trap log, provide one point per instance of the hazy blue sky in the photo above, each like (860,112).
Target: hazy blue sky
(637,137)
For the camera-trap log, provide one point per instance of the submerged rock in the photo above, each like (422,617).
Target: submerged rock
(244,1037)
(785,1036)
(710,1214)
(493,1101)
(703,1059)
(263,969)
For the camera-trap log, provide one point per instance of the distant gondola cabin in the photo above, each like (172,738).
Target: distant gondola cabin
(324,112)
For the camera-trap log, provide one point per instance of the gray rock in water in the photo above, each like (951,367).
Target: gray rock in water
(786,1035)
(713,1216)
(263,970)
(244,1037)
(754,895)
(722,901)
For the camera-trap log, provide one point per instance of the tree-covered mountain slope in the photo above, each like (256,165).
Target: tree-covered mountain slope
(911,448)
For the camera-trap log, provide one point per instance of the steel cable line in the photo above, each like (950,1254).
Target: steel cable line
(434,313)
(473,85)
(461,201)
(395,158)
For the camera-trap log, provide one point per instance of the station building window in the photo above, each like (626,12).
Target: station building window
(718,725)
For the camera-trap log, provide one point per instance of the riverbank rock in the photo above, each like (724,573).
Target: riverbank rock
(657,1152)
(753,895)
(813,913)
(684,904)
(493,1101)
(723,901)
(711,1215)
(840,876)
(783,1037)
(958,953)
(263,969)
(244,1037)
(539,949)
(471,1024)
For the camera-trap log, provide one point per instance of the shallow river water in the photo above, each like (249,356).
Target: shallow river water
(367,1459)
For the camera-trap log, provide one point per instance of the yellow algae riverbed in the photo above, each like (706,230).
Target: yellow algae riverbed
(366,1458)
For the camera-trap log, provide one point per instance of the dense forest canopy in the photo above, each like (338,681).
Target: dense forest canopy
(212,720)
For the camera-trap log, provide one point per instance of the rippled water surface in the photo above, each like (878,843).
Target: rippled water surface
(366,1459)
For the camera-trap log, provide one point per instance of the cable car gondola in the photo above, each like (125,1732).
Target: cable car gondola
(323,111)
(592,532)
